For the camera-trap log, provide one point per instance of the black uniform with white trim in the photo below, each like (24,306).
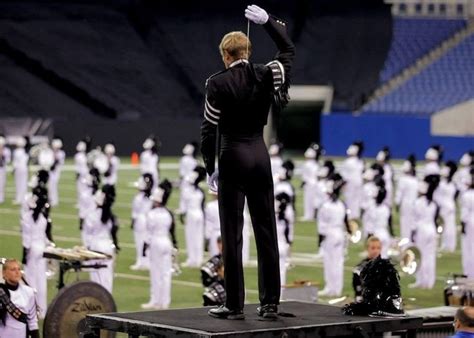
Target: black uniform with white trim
(238,101)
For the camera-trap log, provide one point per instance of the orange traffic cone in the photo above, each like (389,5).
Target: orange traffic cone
(135,160)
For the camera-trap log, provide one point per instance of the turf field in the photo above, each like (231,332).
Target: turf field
(131,288)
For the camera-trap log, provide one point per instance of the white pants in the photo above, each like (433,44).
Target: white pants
(333,263)
(385,240)
(406,220)
(448,238)
(183,191)
(53,187)
(283,249)
(352,199)
(104,276)
(80,187)
(246,239)
(3,181)
(309,191)
(160,272)
(21,184)
(467,247)
(426,274)
(35,274)
(194,234)
(139,235)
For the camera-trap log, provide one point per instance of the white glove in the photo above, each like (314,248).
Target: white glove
(212,181)
(256,14)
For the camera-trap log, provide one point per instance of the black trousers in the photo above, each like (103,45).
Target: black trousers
(244,171)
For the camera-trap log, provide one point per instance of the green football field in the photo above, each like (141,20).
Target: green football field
(131,288)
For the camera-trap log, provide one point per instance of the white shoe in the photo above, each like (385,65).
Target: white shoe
(135,267)
(150,306)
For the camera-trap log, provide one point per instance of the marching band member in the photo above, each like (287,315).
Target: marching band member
(20,170)
(467,223)
(283,184)
(194,225)
(86,201)
(321,196)
(161,240)
(36,236)
(424,235)
(110,176)
(351,170)
(149,159)
(373,178)
(140,206)
(5,158)
(80,163)
(186,165)
(445,197)
(310,178)
(406,195)
(284,215)
(462,175)
(333,222)
(18,316)
(432,156)
(275,158)
(213,224)
(55,170)
(100,230)
(383,158)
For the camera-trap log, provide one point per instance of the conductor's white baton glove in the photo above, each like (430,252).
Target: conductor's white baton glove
(256,14)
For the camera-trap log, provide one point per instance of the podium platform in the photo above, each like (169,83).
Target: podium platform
(298,319)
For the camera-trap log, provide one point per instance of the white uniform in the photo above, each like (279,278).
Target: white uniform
(141,205)
(461,178)
(425,240)
(99,238)
(213,226)
(149,165)
(5,158)
(379,215)
(24,300)
(114,163)
(20,165)
(158,222)
(431,168)
(331,218)
(59,157)
(246,235)
(194,227)
(369,191)
(444,197)
(310,178)
(283,247)
(186,166)
(467,239)
(86,204)
(34,239)
(286,187)
(388,179)
(276,163)
(80,162)
(351,170)
(405,196)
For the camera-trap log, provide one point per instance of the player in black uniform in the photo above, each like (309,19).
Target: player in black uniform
(237,103)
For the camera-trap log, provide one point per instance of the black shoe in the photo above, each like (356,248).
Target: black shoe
(268,311)
(224,313)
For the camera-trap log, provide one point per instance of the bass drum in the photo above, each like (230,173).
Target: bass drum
(66,314)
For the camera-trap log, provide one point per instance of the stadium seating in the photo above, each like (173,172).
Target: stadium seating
(444,83)
(412,38)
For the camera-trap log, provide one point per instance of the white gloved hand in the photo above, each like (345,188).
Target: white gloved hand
(256,14)
(212,181)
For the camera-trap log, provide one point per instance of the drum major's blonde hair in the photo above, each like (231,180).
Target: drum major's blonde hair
(235,44)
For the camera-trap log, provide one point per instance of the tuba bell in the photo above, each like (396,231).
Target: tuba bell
(405,254)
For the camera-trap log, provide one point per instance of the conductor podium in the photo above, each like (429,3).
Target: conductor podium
(297,319)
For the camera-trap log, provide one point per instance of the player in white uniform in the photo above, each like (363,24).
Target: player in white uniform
(17,304)
(140,206)
(55,171)
(161,241)
(333,222)
(321,196)
(36,236)
(275,159)
(463,176)
(383,158)
(425,235)
(406,195)
(284,215)
(5,158)
(80,163)
(432,156)
(86,203)
(149,159)
(309,176)
(445,197)
(186,165)
(373,181)
(283,185)
(467,223)
(380,217)
(20,170)
(100,230)
(212,223)
(351,170)
(111,175)
(194,225)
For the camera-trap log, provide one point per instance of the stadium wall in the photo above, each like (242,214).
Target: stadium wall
(403,134)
